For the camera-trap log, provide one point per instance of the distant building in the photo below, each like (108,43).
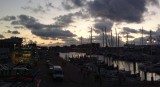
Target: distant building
(7,47)
(129,46)
(5,55)
(11,43)
(22,56)
(89,46)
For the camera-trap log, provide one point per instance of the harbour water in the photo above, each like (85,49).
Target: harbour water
(122,65)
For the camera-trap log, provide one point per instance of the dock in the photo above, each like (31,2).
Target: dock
(73,77)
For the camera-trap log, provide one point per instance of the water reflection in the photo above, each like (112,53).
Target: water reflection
(122,65)
(71,54)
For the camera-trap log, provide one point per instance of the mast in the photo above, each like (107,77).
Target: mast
(91,42)
(91,35)
(81,43)
(103,37)
(127,39)
(142,36)
(142,39)
(150,40)
(116,37)
(81,40)
(106,38)
(111,39)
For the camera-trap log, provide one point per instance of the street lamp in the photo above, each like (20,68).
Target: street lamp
(154,41)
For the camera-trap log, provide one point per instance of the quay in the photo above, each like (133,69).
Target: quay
(74,78)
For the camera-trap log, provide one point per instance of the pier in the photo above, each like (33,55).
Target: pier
(75,77)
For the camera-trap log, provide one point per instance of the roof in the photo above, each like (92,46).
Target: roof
(57,67)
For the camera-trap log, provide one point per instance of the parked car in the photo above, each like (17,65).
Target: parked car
(57,73)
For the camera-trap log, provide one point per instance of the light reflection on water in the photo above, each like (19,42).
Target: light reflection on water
(123,65)
(71,54)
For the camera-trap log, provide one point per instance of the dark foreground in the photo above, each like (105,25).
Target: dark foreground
(73,77)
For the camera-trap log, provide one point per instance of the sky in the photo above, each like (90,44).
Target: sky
(64,22)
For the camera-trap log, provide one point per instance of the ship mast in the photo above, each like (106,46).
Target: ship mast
(111,39)
(91,43)
(142,36)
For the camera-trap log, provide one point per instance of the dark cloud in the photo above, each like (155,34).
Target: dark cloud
(65,20)
(119,10)
(129,36)
(15,23)
(13,32)
(127,30)
(78,3)
(123,32)
(81,14)
(29,1)
(18,27)
(102,24)
(130,30)
(158,27)
(1,36)
(153,2)
(9,31)
(69,41)
(53,33)
(156,33)
(27,21)
(38,9)
(7,26)
(24,19)
(67,6)
(72,4)
(8,18)
(144,31)
(49,5)
(42,30)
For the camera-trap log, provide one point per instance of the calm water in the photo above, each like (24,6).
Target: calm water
(123,65)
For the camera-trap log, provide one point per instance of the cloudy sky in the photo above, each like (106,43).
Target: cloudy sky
(61,22)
